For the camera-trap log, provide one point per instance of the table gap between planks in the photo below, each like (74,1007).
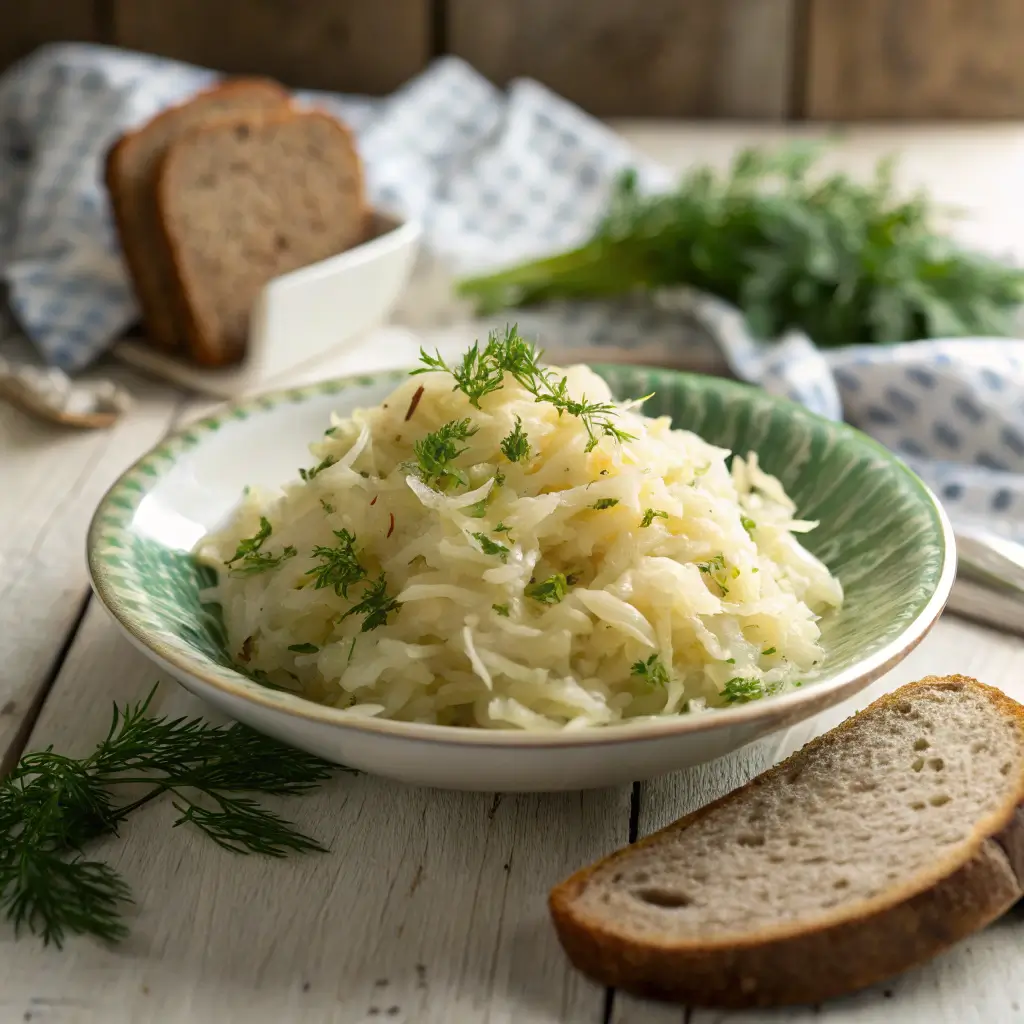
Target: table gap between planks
(430,906)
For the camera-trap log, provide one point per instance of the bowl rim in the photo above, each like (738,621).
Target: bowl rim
(248,690)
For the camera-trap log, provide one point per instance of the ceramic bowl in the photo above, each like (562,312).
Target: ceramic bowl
(881,530)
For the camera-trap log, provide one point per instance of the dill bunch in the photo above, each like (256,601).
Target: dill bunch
(846,262)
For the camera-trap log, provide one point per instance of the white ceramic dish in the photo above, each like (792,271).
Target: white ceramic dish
(901,562)
(302,316)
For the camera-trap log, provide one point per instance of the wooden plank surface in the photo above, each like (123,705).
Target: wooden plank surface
(981,979)
(51,479)
(24,26)
(661,58)
(914,59)
(342,45)
(429,902)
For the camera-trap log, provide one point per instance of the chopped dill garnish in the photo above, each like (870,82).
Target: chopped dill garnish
(742,691)
(339,567)
(716,564)
(549,591)
(252,559)
(491,547)
(436,452)
(308,474)
(730,661)
(482,372)
(477,510)
(768,651)
(326,506)
(501,609)
(376,605)
(652,671)
(516,445)
(651,514)
(602,503)
(502,528)
(304,648)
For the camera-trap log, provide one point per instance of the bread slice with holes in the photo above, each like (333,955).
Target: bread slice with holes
(243,201)
(872,849)
(131,168)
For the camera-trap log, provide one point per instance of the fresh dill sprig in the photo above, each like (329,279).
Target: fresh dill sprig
(436,452)
(326,506)
(652,671)
(250,556)
(651,514)
(339,566)
(716,564)
(602,503)
(375,606)
(515,446)
(52,806)
(490,547)
(549,591)
(309,474)
(482,372)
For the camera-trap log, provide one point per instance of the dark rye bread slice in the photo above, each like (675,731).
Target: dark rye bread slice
(243,202)
(869,851)
(130,173)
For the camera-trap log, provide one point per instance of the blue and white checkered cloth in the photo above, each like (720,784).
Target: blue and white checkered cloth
(494,177)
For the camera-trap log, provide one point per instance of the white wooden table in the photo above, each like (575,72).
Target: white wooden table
(430,906)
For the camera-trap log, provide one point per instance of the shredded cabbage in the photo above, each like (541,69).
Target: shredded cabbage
(570,588)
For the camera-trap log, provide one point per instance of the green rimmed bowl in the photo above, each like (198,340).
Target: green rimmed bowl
(882,531)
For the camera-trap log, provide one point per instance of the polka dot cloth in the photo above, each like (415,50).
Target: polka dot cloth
(495,177)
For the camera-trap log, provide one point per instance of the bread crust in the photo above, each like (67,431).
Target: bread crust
(837,952)
(147,261)
(204,349)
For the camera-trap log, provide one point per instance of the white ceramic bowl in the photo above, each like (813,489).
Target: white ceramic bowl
(148,522)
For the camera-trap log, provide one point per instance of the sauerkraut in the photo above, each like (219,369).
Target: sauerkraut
(499,559)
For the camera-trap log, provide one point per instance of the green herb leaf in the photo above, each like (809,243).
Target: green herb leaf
(845,261)
(501,609)
(516,446)
(650,515)
(716,564)
(768,651)
(602,503)
(549,591)
(748,524)
(483,371)
(375,606)
(52,806)
(339,566)
(309,474)
(436,452)
(304,648)
(742,691)
(326,506)
(251,559)
(652,671)
(491,547)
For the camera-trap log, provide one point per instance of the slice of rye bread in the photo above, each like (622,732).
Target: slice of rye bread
(867,852)
(130,175)
(241,203)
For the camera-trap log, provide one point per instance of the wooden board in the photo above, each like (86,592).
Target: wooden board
(51,478)
(429,908)
(982,978)
(914,59)
(661,58)
(342,45)
(24,26)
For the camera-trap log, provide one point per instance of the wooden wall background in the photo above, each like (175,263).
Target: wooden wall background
(753,59)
